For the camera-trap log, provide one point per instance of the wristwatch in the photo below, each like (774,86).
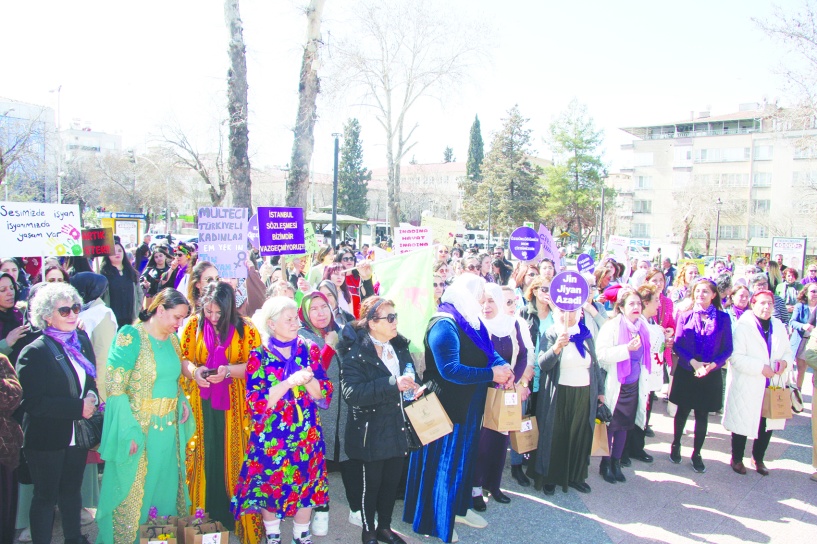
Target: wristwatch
(523,383)
(229,374)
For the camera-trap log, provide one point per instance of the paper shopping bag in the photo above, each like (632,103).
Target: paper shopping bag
(776,403)
(503,410)
(526,438)
(212,532)
(428,418)
(190,521)
(601,448)
(775,424)
(152,533)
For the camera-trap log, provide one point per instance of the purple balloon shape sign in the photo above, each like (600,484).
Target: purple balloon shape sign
(585,263)
(252,232)
(524,244)
(569,291)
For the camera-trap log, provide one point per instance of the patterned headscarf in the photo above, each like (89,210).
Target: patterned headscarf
(303,313)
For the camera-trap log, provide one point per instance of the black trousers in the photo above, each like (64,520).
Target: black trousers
(57,478)
(758,446)
(351,473)
(635,436)
(380,482)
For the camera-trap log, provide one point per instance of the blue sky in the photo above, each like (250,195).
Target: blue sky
(131,67)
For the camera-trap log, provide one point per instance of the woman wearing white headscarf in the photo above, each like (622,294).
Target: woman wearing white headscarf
(506,336)
(460,361)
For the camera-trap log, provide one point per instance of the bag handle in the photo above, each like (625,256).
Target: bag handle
(63,364)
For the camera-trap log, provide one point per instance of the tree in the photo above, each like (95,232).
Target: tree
(23,146)
(399,52)
(210,167)
(473,167)
(237,108)
(353,177)
(308,89)
(511,183)
(448,155)
(574,182)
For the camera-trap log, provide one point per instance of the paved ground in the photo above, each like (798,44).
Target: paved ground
(661,502)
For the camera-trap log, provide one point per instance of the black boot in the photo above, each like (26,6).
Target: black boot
(625,459)
(519,475)
(615,468)
(604,470)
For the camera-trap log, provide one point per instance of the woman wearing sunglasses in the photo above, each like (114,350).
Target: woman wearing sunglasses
(125,294)
(57,372)
(358,279)
(536,312)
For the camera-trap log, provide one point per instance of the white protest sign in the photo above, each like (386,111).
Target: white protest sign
(618,248)
(408,239)
(223,240)
(34,228)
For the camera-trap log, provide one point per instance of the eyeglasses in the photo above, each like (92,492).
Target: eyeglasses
(391,318)
(55,280)
(544,289)
(211,280)
(65,310)
(812,270)
(347,259)
(438,285)
(471,267)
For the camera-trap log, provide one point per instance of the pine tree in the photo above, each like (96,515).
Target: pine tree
(353,177)
(473,167)
(448,154)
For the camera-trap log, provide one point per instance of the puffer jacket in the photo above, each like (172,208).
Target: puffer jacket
(375,428)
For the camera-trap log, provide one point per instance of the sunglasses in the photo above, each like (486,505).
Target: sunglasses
(347,259)
(544,289)
(65,310)
(438,285)
(471,267)
(391,318)
(55,280)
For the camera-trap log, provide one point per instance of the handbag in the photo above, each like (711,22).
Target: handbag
(797,405)
(87,432)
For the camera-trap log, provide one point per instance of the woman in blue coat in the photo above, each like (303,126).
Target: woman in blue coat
(802,324)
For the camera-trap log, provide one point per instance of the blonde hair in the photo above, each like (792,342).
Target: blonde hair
(271,311)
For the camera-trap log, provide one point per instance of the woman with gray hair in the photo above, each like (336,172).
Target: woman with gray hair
(57,372)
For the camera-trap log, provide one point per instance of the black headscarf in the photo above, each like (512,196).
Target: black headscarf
(90,286)
(11,318)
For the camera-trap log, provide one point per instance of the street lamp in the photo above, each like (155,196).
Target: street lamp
(167,189)
(336,135)
(718,203)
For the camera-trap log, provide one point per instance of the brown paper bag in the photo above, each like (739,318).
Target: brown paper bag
(149,533)
(527,437)
(188,521)
(212,532)
(428,418)
(503,410)
(601,448)
(776,403)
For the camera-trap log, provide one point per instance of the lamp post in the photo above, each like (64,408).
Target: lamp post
(60,174)
(335,191)
(718,203)
(167,190)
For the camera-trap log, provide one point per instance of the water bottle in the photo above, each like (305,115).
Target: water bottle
(408,395)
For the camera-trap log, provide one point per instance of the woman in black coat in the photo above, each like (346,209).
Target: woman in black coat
(374,358)
(57,391)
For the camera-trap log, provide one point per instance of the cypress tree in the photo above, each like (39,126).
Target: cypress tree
(353,177)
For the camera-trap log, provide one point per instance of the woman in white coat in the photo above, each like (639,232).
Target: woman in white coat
(761,351)
(623,350)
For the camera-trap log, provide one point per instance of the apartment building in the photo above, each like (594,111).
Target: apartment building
(749,165)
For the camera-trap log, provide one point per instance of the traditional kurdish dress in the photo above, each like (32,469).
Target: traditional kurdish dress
(284,469)
(145,403)
(215,452)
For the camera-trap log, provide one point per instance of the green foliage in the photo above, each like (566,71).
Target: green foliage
(473,167)
(448,154)
(510,182)
(353,177)
(574,181)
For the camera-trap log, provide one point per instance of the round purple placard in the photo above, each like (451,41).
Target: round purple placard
(585,263)
(524,244)
(252,232)
(569,291)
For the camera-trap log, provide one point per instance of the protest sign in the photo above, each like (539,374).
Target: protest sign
(585,263)
(443,231)
(310,240)
(569,291)
(408,239)
(97,242)
(281,231)
(35,228)
(223,240)
(793,251)
(524,244)
(618,248)
(252,231)
(549,250)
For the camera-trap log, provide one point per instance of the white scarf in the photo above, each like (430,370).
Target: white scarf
(464,293)
(503,324)
(388,356)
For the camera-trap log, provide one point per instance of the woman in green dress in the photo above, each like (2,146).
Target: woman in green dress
(146,423)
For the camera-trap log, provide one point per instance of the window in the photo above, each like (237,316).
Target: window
(764,152)
(803,153)
(642,206)
(728,154)
(762,179)
(735,206)
(805,207)
(804,179)
(761,207)
(732,180)
(640,230)
(643,182)
(757,231)
(642,159)
(732,232)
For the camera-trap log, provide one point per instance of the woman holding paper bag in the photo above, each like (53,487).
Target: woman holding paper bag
(761,352)
(460,361)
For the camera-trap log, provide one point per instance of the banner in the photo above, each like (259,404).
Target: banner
(97,242)
(406,279)
(443,231)
(281,231)
(252,231)
(549,250)
(223,240)
(618,248)
(408,239)
(35,228)
(793,251)
(524,244)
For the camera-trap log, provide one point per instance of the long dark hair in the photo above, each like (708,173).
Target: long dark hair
(222,295)
(167,298)
(193,293)
(109,269)
(337,268)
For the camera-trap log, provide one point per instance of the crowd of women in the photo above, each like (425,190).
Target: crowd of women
(239,396)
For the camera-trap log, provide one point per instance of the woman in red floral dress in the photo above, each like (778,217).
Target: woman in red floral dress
(284,472)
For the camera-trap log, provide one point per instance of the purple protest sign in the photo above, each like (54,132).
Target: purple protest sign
(223,240)
(585,263)
(252,231)
(524,244)
(549,250)
(281,231)
(569,291)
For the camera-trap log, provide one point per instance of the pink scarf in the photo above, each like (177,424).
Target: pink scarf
(626,331)
(217,393)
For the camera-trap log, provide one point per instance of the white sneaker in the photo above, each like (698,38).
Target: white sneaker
(472,519)
(356,517)
(454,536)
(86,517)
(25,536)
(320,524)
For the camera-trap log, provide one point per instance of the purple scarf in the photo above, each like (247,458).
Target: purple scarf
(580,337)
(217,393)
(738,311)
(626,329)
(480,337)
(180,272)
(70,343)
(290,366)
